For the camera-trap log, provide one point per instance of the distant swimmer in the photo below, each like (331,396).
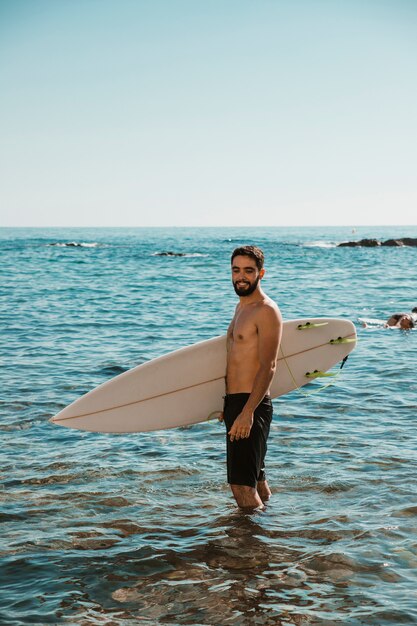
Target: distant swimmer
(404,321)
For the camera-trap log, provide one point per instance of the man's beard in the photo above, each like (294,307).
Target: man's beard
(247,290)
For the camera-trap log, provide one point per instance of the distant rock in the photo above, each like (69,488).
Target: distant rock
(408,241)
(367,243)
(393,243)
(73,244)
(375,243)
(170,254)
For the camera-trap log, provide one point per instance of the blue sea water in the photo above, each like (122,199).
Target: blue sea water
(141,528)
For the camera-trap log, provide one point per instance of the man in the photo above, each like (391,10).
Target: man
(253,340)
(404,321)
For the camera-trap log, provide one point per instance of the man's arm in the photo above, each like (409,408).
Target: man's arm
(269,325)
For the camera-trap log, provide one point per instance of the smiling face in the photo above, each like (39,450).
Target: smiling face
(245,275)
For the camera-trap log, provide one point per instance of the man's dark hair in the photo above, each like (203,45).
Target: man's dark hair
(253,252)
(398,316)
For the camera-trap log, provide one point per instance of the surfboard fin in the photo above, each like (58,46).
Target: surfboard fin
(319,374)
(342,340)
(311,325)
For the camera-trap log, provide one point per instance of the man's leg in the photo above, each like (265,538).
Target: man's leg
(246,497)
(262,486)
(263,490)
(245,457)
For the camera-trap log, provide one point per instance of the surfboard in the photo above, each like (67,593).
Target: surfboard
(187,386)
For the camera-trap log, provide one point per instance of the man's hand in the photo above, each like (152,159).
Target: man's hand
(241,426)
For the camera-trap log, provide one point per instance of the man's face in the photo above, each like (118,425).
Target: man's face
(245,275)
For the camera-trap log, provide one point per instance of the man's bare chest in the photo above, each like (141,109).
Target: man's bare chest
(243,327)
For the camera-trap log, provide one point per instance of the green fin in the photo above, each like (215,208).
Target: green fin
(319,374)
(342,340)
(310,325)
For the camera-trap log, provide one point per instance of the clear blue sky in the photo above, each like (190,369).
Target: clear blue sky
(214,112)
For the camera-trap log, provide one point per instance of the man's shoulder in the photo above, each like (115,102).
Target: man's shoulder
(269,309)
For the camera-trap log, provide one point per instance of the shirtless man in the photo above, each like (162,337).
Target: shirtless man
(253,340)
(404,321)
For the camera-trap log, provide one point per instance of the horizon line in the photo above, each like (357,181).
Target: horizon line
(354,226)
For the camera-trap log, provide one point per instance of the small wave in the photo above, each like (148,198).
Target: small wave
(371,321)
(20,425)
(113,370)
(320,244)
(74,244)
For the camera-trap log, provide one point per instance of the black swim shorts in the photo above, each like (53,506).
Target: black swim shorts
(245,457)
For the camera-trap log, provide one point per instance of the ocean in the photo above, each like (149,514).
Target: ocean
(141,528)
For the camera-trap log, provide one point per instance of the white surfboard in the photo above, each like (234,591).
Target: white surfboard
(187,386)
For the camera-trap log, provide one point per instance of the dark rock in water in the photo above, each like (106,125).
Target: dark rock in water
(409,241)
(392,243)
(73,244)
(374,243)
(367,243)
(170,254)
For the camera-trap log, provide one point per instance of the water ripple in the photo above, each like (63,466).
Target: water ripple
(141,529)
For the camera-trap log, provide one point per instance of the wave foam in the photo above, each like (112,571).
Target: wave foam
(320,244)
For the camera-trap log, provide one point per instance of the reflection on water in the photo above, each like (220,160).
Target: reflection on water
(109,558)
(141,529)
